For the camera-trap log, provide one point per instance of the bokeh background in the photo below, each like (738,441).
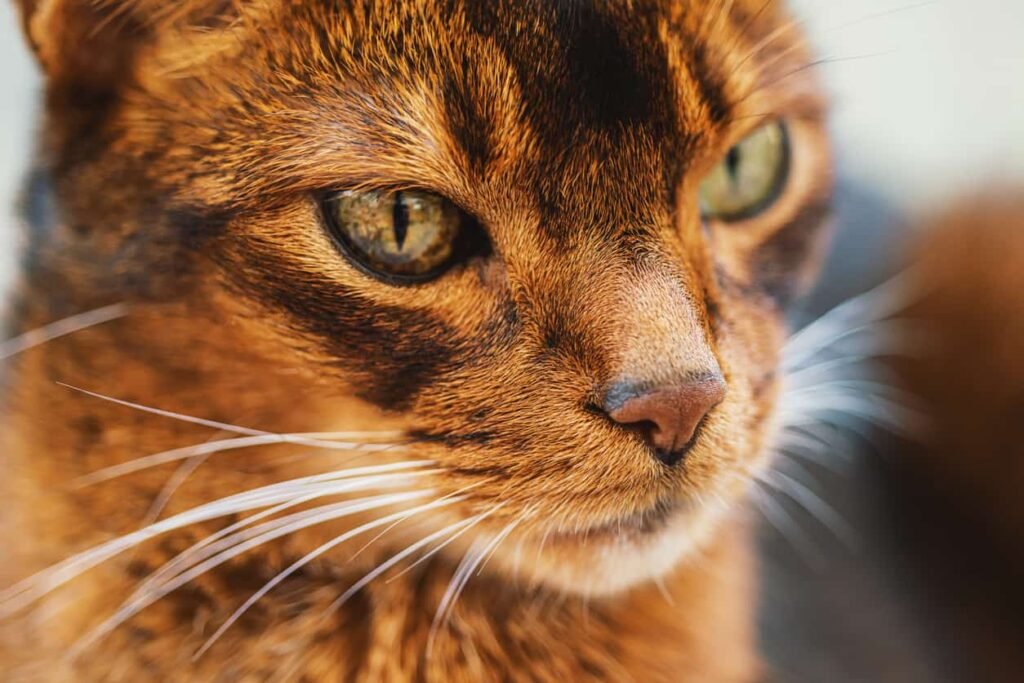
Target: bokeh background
(929,105)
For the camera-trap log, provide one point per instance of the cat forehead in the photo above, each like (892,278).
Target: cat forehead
(594,92)
(577,64)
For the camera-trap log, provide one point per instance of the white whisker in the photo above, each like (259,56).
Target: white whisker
(464,574)
(876,410)
(444,544)
(303,439)
(867,341)
(313,439)
(801,438)
(818,372)
(853,387)
(247,528)
(34,587)
(876,304)
(659,582)
(503,535)
(777,515)
(146,594)
(235,429)
(60,328)
(804,496)
(389,528)
(309,557)
(395,559)
(184,471)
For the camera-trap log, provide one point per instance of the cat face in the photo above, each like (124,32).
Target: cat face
(491,224)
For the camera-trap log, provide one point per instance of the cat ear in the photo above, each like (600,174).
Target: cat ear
(85,44)
(89,44)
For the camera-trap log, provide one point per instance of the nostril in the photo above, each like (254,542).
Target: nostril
(667,416)
(673,457)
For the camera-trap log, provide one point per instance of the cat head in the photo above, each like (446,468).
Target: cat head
(552,242)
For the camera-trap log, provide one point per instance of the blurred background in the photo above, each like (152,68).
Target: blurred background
(929,105)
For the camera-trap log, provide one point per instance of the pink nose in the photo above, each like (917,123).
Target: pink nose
(668,416)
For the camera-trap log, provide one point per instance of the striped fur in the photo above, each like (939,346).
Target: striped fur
(181,155)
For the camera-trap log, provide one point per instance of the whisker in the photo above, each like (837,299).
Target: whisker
(447,604)
(235,429)
(459,578)
(146,596)
(877,410)
(659,582)
(883,301)
(61,328)
(163,498)
(862,389)
(36,586)
(777,515)
(502,536)
(313,439)
(309,557)
(395,559)
(878,15)
(380,535)
(798,437)
(447,541)
(834,437)
(765,42)
(888,337)
(804,496)
(822,372)
(804,443)
(233,534)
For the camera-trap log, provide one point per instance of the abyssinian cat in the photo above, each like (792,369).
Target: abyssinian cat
(428,340)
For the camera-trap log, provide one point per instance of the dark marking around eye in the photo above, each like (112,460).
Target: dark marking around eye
(398,352)
(400,220)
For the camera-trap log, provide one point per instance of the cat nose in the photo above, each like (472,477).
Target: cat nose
(668,415)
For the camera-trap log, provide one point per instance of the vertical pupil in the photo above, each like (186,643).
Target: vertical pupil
(732,162)
(400,220)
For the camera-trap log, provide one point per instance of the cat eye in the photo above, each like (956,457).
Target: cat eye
(750,177)
(404,235)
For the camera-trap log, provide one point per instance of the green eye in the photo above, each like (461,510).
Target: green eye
(749,178)
(401,235)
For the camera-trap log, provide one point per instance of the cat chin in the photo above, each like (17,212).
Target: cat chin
(610,560)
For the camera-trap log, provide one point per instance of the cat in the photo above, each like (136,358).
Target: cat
(391,341)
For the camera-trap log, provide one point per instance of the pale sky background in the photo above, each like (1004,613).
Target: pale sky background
(929,96)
